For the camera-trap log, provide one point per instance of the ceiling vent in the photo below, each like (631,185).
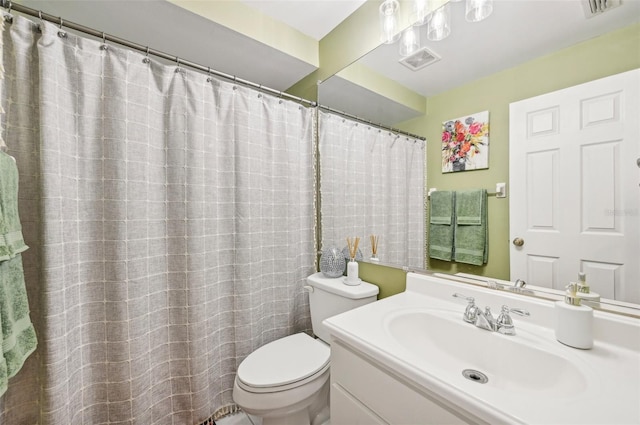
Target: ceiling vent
(596,7)
(419,59)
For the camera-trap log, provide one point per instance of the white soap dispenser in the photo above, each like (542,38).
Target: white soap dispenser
(584,291)
(574,322)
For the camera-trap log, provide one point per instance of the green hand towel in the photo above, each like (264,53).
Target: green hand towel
(11,240)
(471,244)
(18,334)
(441,225)
(469,206)
(441,211)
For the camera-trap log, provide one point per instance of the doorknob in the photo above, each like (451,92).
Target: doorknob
(518,241)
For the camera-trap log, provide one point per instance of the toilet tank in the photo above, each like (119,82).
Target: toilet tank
(330,296)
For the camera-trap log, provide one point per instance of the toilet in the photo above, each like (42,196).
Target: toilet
(286,381)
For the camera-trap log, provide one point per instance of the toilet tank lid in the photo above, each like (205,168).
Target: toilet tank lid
(336,286)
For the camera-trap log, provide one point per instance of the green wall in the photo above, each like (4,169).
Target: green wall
(606,55)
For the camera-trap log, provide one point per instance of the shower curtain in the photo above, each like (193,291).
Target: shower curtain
(372,182)
(171,224)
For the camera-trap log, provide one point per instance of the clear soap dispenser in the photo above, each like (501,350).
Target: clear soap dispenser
(574,321)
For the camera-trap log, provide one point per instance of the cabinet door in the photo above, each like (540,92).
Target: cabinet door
(346,410)
(384,394)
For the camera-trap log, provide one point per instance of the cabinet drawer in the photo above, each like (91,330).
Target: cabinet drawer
(347,410)
(385,395)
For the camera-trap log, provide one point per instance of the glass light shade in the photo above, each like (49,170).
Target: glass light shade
(420,12)
(410,41)
(439,26)
(477,10)
(388,12)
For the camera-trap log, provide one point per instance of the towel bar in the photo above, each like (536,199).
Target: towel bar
(500,192)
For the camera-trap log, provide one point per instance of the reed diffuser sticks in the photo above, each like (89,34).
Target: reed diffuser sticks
(353,246)
(374,244)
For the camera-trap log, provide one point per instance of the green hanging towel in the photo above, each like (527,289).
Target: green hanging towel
(471,244)
(11,240)
(441,225)
(18,337)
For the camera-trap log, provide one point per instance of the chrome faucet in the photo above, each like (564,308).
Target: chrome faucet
(485,320)
(518,286)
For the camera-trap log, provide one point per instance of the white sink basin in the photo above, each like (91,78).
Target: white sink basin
(452,345)
(420,337)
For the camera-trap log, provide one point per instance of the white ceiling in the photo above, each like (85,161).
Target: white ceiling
(516,32)
(315,18)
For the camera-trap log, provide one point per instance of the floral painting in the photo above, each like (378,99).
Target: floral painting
(465,143)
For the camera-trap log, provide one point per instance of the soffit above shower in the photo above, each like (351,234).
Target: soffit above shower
(174,30)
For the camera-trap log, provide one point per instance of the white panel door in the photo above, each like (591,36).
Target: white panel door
(575,195)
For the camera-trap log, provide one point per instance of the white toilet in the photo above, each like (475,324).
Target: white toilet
(286,382)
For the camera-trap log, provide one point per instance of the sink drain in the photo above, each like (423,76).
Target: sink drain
(475,376)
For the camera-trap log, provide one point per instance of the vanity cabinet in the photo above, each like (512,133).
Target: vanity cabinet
(363,392)
(400,360)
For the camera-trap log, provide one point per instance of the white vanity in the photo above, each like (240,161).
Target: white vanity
(401,361)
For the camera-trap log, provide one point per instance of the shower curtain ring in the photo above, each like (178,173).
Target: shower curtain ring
(104,45)
(146,58)
(61,32)
(209,79)
(178,69)
(8,17)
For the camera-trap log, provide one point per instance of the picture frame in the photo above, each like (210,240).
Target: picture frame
(465,143)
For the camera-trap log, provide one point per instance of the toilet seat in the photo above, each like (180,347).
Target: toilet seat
(283,364)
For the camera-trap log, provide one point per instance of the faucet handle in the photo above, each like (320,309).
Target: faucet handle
(469,299)
(518,311)
(504,323)
(471,312)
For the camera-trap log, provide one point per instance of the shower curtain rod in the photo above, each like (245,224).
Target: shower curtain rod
(7,4)
(364,121)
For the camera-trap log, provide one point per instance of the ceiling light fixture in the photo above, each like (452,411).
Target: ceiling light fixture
(388,12)
(410,41)
(439,25)
(420,12)
(478,10)
(433,13)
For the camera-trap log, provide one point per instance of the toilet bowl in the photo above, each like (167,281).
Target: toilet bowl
(293,389)
(286,382)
